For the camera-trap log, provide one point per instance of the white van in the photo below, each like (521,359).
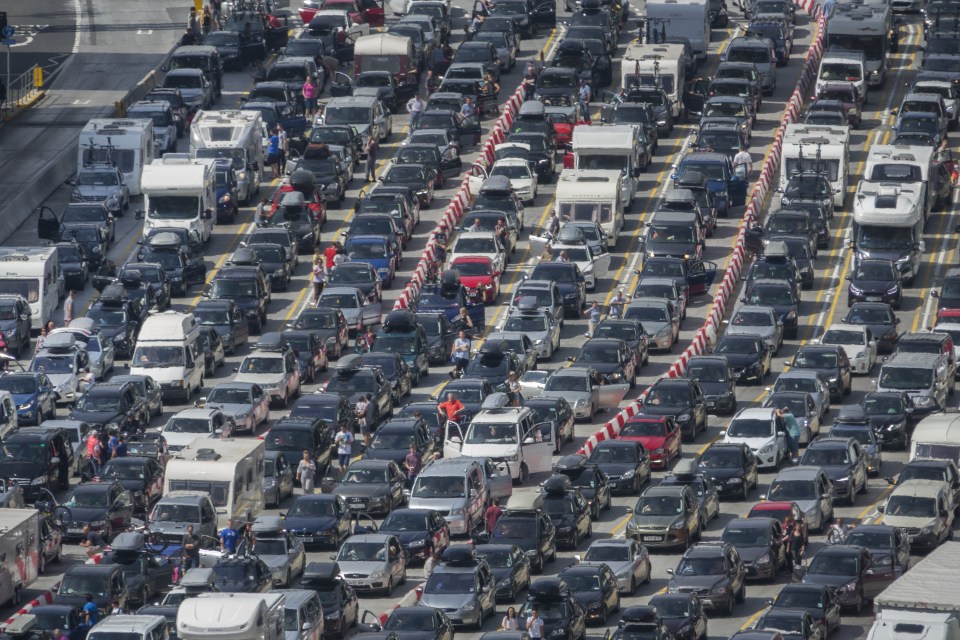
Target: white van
(130,628)
(230,470)
(179,191)
(234,135)
(34,274)
(168,350)
(507,435)
(127,143)
(231,616)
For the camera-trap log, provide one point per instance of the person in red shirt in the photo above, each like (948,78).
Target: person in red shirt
(491,515)
(451,409)
(329,254)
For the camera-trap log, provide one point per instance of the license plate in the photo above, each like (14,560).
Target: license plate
(873,298)
(306,539)
(652,538)
(711,405)
(72,530)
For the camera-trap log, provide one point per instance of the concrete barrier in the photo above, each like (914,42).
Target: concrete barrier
(44,598)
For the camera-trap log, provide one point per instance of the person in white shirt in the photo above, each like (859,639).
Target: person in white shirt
(743,163)
(415,109)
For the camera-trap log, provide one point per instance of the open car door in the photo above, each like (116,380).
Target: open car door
(499,480)
(538,243)
(601,260)
(452,440)
(610,101)
(537,445)
(341,85)
(701,277)
(475,179)
(450,163)
(48,225)
(610,395)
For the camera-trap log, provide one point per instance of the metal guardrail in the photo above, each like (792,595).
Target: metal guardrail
(23,91)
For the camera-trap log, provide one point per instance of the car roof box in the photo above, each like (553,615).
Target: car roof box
(128,541)
(532,109)
(691,179)
(400,320)
(495,184)
(571,235)
(113,295)
(495,401)
(557,485)
(459,555)
(320,573)
(776,249)
(133,279)
(87,324)
(60,342)
(164,240)
(644,614)
(293,199)
(548,590)
(571,462)
(685,467)
(852,413)
(302,181)
(198,578)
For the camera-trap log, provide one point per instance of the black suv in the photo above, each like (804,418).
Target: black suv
(248,287)
(36,458)
(15,320)
(167,250)
(625,462)
(74,264)
(564,618)
(118,319)
(715,571)
(532,530)
(295,435)
(154,274)
(588,478)
(843,462)
(731,466)
(681,398)
(568,510)
(330,325)
(119,407)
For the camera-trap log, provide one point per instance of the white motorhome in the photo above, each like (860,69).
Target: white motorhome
(610,147)
(179,191)
(128,143)
(937,436)
(33,273)
(595,195)
(135,627)
(230,470)
(19,552)
(888,224)
(905,164)
(235,135)
(168,350)
(841,65)
(920,604)
(231,616)
(685,18)
(810,147)
(656,64)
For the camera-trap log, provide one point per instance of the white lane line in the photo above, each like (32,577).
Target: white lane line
(78,9)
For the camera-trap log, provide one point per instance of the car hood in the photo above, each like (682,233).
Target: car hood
(62,379)
(172,529)
(750,555)
(24,398)
(763,332)
(275,563)
(835,471)
(755,444)
(87,514)
(386,454)
(362,568)
(678,249)
(20,469)
(618,469)
(95,417)
(230,408)
(722,473)
(702,582)
(570,396)
(98,192)
(873,286)
(662,410)
(654,522)
(439,504)
(261,379)
(472,282)
(649,442)
(741,360)
(675,625)
(886,420)
(527,544)
(904,522)
(714,388)
(300,524)
(360,490)
(376,92)
(828,580)
(235,586)
(408,537)
(445,600)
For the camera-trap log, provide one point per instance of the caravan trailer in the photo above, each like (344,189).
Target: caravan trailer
(33,273)
(19,552)
(126,143)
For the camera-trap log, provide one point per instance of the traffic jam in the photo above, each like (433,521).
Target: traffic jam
(505,319)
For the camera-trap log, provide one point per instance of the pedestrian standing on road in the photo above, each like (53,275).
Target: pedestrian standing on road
(460,354)
(41,338)
(836,532)
(68,308)
(411,462)
(260,216)
(193,25)
(91,614)
(206,21)
(430,564)
(509,622)
(330,65)
(309,92)
(121,450)
(273,153)
(618,304)
(317,278)
(191,549)
(793,432)
(228,537)
(94,453)
(796,547)
(284,148)
(328,255)
(415,109)
(535,625)
(371,148)
(307,471)
(361,410)
(344,444)
(115,608)
(743,163)
(584,95)
(491,515)
(593,319)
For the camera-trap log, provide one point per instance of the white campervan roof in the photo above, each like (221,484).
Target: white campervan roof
(224,614)
(211,129)
(888,204)
(169,325)
(913,155)
(587,184)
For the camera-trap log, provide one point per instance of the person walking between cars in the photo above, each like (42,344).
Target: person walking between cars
(306,472)
(411,462)
(344,443)
(535,625)
(191,549)
(796,548)
(491,515)
(451,410)
(362,410)
(593,319)
(94,453)
(273,153)
(617,305)
(793,432)
(836,532)
(309,92)
(743,163)
(228,538)
(372,147)
(284,148)
(584,95)
(510,622)
(68,308)
(431,562)
(91,614)
(460,354)
(317,278)
(415,109)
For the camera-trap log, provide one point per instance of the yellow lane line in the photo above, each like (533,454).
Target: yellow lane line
(872,507)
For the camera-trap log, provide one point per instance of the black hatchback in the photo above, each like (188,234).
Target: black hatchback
(875,281)
(732,467)
(681,398)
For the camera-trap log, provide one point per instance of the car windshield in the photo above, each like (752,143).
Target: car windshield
(753,319)
(346,115)
(350,384)
(261,364)
(607,553)
(826,456)
(438,487)
(799,599)
(905,377)
(815,359)
(18,385)
(658,506)
(749,54)
(119,471)
(614,454)
(832,564)
(270,547)
(175,513)
(511,171)
(95,178)
(750,428)
(557,81)
(98,402)
(648,314)
(583,582)
(707,373)
(54,364)
(80,585)
(843,336)
(401,522)
(391,441)
(86,498)
(659,232)
(355,475)
(567,383)
(312,508)
(405,174)
(407,620)
(911,506)
(314,320)
(476,245)
(487,433)
(869,539)
(747,537)
(721,458)
(107,317)
(392,343)
(339,301)
(84,214)
(353,275)
(701,567)
(473,267)
(671,607)
(841,71)
(787,490)
(496,559)
(541,296)
(450,583)
(227,395)
(641,428)
(725,109)
(738,345)
(233,288)
(602,353)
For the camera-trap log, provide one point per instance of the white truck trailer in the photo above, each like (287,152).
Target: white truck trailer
(180,192)
(922,603)
(19,552)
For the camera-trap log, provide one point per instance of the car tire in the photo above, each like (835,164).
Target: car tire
(742,594)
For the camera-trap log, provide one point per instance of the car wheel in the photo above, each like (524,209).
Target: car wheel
(728,610)
(742,594)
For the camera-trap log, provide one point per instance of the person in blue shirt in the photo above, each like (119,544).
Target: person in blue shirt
(228,537)
(273,153)
(91,614)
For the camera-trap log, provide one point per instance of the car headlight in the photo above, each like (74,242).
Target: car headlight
(616,375)
(113,426)
(503,583)
(903,259)
(225,199)
(664,332)
(861,354)
(658,451)
(718,589)
(76,195)
(629,474)
(377,575)
(892,290)
(767,448)
(269,482)
(538,342)
(792,315)
(241,175)
(37,481)
(558,633)
(763,560)
(927,529)
(570,296)
(514,458)
(580,403)
(678,525)
(843,480)
(833,380)
(923,401)
(416,544)
(850,587)
(734,480)
(897,426)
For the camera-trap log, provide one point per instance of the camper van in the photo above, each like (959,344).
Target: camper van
(231,616)
(937,436)
(19,552)
(888,224)
(230,470)
(388,52)
(611,147)
(651,65)
(684,18)
(34,274)
(168,350)
(820,148)
(593,195)
(234,135)
(126,143)
(180,192)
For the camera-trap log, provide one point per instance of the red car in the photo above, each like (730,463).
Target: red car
(659,435)
(360,11)
(478,277)
(313,202)
(780,510)
(564,120)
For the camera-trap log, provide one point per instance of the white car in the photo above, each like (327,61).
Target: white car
(859,345)
(593,260)
(763,432)
(953,328)
(479,243)
(522,179)
(191,424)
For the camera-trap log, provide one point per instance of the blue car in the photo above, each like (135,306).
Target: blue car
(318,519)
(377,251)
(570,281)
(228,194)
(728,190)
(33,394)
(448,298)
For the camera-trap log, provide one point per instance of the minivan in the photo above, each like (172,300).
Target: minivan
(761,53)
(130,627)
(366,114)
(940,343)
(924,376)
(456,487)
